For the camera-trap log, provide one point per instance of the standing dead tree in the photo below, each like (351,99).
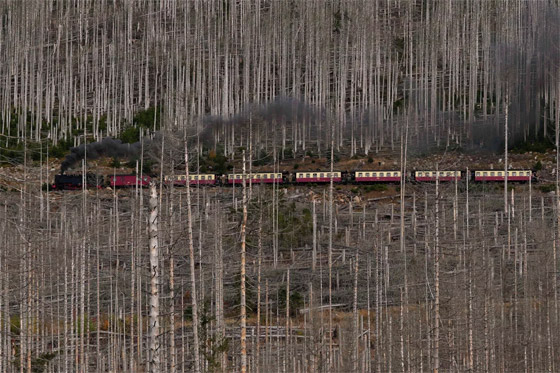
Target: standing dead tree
(196,342)
(155,353)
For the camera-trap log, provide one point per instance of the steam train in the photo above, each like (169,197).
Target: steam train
(74,182)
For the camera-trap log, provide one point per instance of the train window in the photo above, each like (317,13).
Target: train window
(238,177)
(308,175)
(491,173)
(203,178)
(314,175)
(367,174)
(514,173)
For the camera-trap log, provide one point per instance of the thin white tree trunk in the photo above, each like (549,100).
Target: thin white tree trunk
(243,321)
(154,365)
(196,342)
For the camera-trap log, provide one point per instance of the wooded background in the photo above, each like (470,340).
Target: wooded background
(85,68)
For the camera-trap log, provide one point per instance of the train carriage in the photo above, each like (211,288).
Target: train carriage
(377,176)
(439,175)
(256,178)
(494,175)
(194,179)
(318,177)
(121,181)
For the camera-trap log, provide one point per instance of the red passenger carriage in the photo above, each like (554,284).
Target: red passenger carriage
(439,175)
(493,175)
(377,176)
(257,178)
(121,181)
(318,177)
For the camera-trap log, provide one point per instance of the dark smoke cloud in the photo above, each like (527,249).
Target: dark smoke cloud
(281,109)
(108,147)
(527,68)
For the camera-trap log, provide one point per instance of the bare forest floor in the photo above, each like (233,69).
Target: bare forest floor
(495,270)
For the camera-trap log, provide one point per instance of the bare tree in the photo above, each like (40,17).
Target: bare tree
(154,283)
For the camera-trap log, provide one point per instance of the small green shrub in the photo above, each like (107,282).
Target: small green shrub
(547,188)
(539,146)
(537,166)
(115,163)
(130,135)
(376,188)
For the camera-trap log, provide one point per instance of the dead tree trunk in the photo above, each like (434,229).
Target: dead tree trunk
(154,282)
(191,260)
(243,294)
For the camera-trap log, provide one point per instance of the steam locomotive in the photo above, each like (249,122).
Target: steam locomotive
(74,182)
